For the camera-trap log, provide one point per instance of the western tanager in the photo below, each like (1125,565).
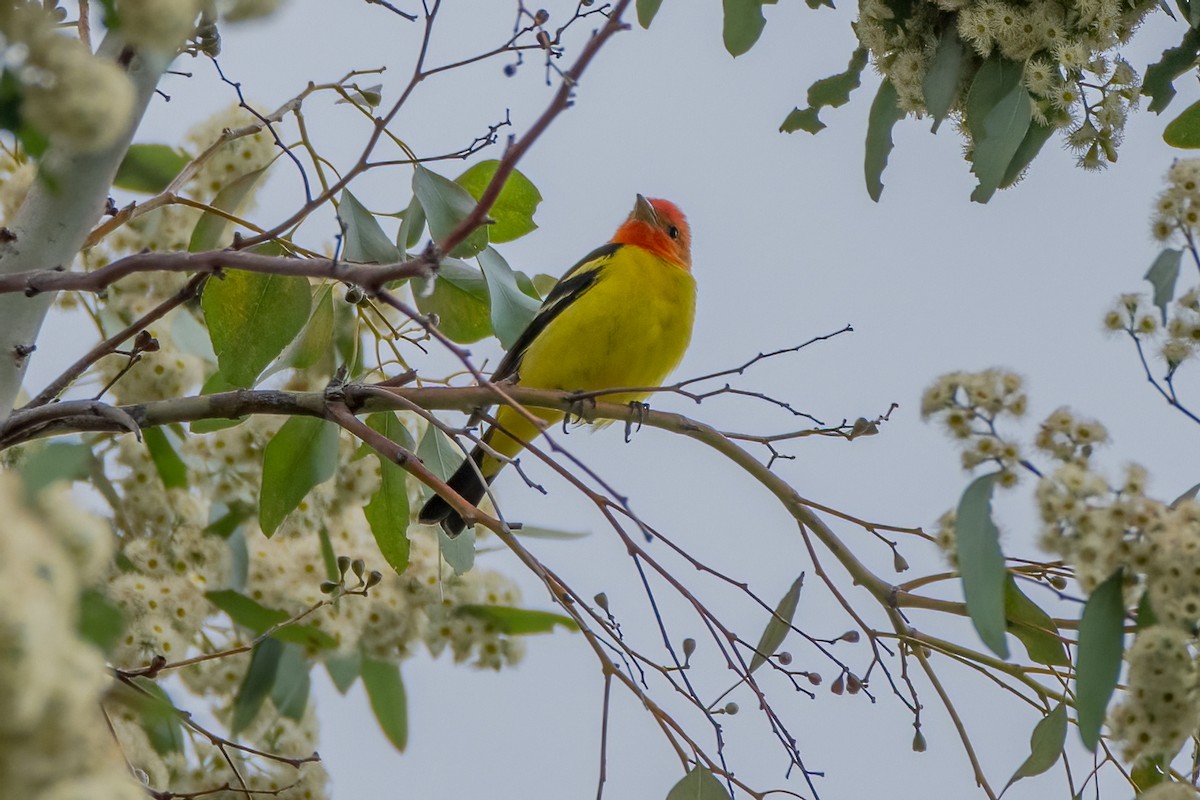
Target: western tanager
(621,317)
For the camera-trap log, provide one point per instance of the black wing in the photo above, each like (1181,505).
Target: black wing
(570,288)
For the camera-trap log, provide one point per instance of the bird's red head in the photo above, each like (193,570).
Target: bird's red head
(660,227)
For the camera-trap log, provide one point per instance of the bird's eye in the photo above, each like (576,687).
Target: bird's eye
(673,232)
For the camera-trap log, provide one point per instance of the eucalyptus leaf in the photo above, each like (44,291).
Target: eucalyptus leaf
(779,626)
(1159,81)
(344,669)
(1163,274)
(57,461)
(1035,139)
(1184,130)
(646,9)
(945,71)
(1033,627)
(301,454)
(981,563)
(458,552)
(460,301)
(698,784)
(167,463)
(363,239)
(149,168)
(211,231)
(1098,656)
(251,318)
(446,204)
(828,92)
(385,691)
(999,111)
(439,455)
(1045,745)
(885,113)
(387,512)
(257,684)
(517,621)
(512,213)
(511,309)
(744,23)
(292,683)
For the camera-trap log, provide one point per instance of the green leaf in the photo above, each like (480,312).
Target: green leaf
(1184,130)
(458,552)
(438,453)
(1033,626)
(257,684)
(999,110)
(1098,656)
(301,454)
(698,784)
(1147,773)
(245,611)
(1158,83)
(744,23)
(1045,745)
(57,461)
(167,462)
(517,621)
(385,690)
(100,621)
(292,683)
(446,204)
(149,168)
(1162,276)
(981,563)
(332,571)
(1035,138)
(514,207)
(534,532)
(344,669)
(256,617)
(317,340)
(511,309)
(646,9)
(212,385)
(885,113)
(159,718)
(210,230)
(460,300)
(543,283)
(363,240)
(387,513)
(945,71)
(828,92)
(251,317)
(779,626)
(412,226)
(370,96)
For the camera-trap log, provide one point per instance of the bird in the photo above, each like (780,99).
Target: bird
(621,317)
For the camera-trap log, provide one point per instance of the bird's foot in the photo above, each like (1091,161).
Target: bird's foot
(578,402)
(639,410)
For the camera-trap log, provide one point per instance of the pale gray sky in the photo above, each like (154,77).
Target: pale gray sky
(787,246)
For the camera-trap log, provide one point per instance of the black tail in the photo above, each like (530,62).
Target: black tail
(467,481)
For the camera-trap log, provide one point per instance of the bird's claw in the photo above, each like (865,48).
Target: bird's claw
(638,410)
(575,408)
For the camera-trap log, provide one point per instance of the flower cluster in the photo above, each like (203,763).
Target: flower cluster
(1174,327)
(53,740)
(68,94)
(1161,709)
(1066,49)
(969,404)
